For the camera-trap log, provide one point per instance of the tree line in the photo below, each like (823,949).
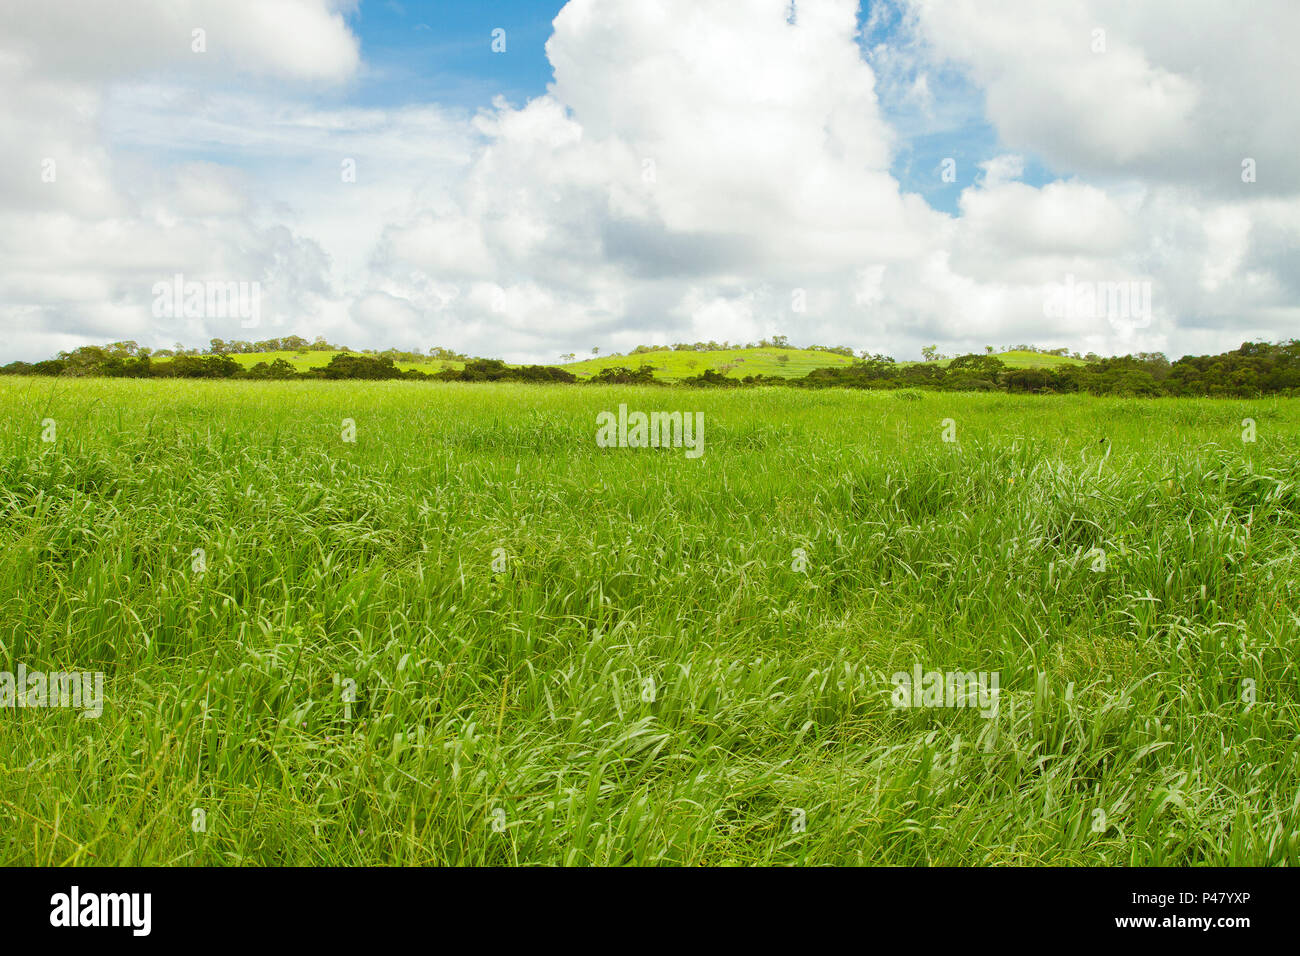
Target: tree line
(1257,368)
(120,361)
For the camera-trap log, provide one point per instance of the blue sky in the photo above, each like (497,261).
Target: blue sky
(421,51)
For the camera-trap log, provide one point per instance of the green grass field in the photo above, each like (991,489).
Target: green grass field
(473,636)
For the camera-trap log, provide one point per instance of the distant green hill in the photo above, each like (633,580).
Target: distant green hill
(737,363)
(1031,360)
(301,361)
(673,366)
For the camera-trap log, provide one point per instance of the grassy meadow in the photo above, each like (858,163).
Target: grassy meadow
(471,636)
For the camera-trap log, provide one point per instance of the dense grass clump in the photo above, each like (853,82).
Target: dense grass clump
(473,636)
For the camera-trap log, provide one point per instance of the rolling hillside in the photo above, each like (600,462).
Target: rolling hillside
(301,361)
(1032,360)
(673,366)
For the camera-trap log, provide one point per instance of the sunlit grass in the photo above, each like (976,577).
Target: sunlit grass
(649,679)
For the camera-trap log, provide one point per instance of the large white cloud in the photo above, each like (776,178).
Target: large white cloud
(1151,109)
(86,230)
(93,41)
(695,171)
(712,162)
(1175,91)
